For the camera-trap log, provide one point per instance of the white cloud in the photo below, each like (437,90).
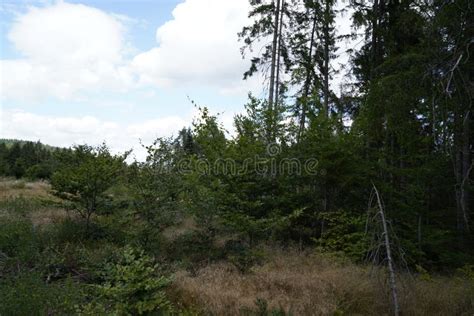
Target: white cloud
(65,131)
(66,49)
(59,131)
(199,45)
(72,33)
(71,49)
(151,129)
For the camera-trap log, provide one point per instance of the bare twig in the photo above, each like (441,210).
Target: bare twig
(451,72)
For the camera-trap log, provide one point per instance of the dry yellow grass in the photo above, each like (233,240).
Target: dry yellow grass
(439,296)
(14,188)
(39,190)
(298,283)
(312,284)
(46,216)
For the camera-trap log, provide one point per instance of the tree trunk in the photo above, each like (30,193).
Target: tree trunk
(88,220)
(309,63)
(376,52)
(463,167)
(274,52)
(277,81)
(326,59)
(271,91)
(419,231)
(466,170)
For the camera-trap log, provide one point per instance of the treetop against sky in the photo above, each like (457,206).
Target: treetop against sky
(120,71)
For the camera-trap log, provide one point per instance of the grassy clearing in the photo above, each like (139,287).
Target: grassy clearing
(31,200)
(286,282)
(10,188)
(296,283)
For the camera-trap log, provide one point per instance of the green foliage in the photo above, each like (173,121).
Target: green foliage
(85,176)
(209,135)
(71,231)
(26,159)
(251,228)
(40,171)
(131,287)
(423,273)
(29,294)
(192,250)
(408,130)
(467,271)
(155,191)
(19,243)
(343,232)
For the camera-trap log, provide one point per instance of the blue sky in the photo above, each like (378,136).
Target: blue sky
(119,71)
(74,72)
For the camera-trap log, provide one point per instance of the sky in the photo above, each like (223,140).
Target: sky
(121,71)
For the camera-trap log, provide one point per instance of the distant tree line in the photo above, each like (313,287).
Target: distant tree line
(28,159)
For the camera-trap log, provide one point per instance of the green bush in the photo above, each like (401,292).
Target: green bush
(19,242)
(28,294)
(84,178)
(130,287)
(344,233)
(39,171)
(68,230)
(73,231)
(193,249)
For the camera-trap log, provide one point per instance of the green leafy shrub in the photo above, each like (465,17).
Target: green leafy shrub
(193,249)
(343,233)
(130,287)
(83,261)
(28,294)
(115,228)
(84,178)
(68,231)
(19,242)
(39,171)
(467,271)
(73,231)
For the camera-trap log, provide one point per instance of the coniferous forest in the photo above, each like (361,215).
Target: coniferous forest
(332,197)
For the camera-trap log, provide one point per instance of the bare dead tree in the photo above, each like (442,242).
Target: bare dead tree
(376,214)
